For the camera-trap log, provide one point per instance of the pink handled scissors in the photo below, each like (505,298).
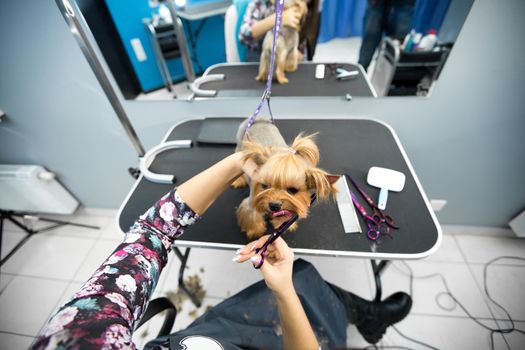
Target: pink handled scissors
(376,228)
(378,214)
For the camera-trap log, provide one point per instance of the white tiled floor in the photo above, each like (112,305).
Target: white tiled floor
(51,266)
(458,277)
(44,256)
(27,302)
(482,249)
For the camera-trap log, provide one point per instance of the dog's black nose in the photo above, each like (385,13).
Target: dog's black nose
(274,206)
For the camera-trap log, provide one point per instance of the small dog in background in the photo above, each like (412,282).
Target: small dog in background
(285,176)
(286,51)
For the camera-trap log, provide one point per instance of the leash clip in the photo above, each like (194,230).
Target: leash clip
(267,94)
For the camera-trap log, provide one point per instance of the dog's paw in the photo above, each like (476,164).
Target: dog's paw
(282,79)
(276,223)
(294,227)
(255,229)
(291,68)
(250,221)
(291,65)
(240,182)
(253,235)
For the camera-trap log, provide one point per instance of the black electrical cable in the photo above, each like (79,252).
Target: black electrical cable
(414,340)
(375,347)
(458,303)
(388,347)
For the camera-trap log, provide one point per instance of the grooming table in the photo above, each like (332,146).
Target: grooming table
(346,145)
(195,11)
(238,80)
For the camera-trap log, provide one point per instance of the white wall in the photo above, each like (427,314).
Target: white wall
(466,142)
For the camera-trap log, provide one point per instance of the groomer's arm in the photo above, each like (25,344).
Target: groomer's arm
(255,24)
(261,27)
(277,272)
(104,312)
(291,18)
(297,331)
(200,191)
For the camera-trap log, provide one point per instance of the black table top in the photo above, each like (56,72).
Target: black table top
(240,81)
(346,145)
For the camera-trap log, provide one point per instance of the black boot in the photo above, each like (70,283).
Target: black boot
(373,318)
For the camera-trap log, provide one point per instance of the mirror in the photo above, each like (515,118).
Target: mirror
(401,46)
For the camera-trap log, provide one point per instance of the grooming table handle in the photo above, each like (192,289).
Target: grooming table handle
(149,157)
(198,92)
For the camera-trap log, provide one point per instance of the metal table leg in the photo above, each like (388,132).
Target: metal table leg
(377,268)
(184,259)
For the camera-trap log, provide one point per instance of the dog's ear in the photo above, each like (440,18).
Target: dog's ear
(305,147)
(256,152)
(321,182)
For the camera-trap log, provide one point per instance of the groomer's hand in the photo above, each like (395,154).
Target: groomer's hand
(278,263)
(292,17)
(277,272)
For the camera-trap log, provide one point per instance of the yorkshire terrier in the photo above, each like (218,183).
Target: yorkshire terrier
(286,48)
(283,180)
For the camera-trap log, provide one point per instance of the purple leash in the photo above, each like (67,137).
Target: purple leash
(279,7)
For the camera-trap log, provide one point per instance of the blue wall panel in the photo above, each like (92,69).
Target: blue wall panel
(128,19)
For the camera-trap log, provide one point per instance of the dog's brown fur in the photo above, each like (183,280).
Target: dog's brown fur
(285,175)
(286,51)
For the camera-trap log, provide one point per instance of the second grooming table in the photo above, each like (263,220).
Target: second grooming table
(239,81)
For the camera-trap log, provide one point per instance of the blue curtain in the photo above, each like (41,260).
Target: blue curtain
(344,18)
(429,14)
(341,19)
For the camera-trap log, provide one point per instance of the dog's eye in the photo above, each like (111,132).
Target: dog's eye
(292,190)
(264,186)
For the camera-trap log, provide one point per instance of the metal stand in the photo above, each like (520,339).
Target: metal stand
(377,268)
(82,34)
(184,259)
(159,55)
(11,216)
(80,30)
(187,64)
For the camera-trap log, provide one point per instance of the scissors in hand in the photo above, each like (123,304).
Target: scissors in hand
(276,234)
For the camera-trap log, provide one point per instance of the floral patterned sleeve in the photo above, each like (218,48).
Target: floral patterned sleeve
(103,313)
(256,11)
